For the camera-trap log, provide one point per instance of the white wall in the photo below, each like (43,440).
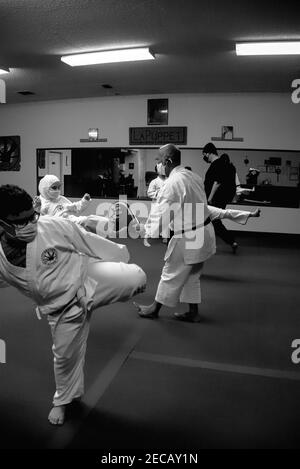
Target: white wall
(264,121)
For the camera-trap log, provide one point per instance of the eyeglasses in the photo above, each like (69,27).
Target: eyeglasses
(22,223)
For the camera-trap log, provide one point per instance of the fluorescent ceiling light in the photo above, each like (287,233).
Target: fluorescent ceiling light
(4,70)
(268,48)
(109,56)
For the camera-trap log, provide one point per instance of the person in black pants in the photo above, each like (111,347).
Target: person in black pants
(220,188)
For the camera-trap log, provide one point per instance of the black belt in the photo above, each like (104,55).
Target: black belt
(194,228)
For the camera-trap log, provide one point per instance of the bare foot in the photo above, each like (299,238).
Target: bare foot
(146,243)
(256,213)
(57,415)
(149,312)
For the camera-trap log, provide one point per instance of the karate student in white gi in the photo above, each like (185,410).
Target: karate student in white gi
(51,202)
(68,272)
(153,191)
(180,278)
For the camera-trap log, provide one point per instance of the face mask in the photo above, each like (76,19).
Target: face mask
(26,234)
(53,194)
(206,159)
(160,169)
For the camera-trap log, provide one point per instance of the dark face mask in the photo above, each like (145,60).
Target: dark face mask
(206,159)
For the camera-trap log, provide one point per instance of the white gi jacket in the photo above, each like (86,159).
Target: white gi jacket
(56,264)
(183,187)
(154,187)
(62,207)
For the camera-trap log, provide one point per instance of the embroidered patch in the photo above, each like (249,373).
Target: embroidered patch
(49,256)
(59,208)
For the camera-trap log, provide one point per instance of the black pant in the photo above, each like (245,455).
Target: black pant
(220,229)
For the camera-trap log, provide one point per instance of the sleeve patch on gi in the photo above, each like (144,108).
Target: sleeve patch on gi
(49,256)
(59,208)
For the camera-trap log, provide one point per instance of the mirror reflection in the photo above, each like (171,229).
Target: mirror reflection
(272,177)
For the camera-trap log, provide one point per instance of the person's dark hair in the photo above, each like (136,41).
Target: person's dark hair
(188,167)
(210,149)
(13,200)
(225,158)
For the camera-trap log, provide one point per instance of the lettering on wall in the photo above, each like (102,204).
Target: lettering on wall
(157,135)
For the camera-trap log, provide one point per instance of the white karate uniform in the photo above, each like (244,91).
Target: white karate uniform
(69,272)
(155,187)
(63,207)
(180,278)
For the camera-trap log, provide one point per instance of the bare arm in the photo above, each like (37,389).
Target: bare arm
(213,191)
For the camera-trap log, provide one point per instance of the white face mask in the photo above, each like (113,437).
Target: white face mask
(53,194)
(26,234)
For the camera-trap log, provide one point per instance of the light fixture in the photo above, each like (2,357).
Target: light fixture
(268,48)
(108,56)
(93,134)
(3,70)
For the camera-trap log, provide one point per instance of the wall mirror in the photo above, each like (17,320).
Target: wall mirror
(108,172)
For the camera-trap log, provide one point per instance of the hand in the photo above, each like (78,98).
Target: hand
(87,197)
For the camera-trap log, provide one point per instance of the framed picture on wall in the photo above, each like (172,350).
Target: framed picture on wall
(10,154)
(227,132)
(158,112)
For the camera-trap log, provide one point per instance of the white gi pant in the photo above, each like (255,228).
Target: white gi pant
(116,281)
(179,281)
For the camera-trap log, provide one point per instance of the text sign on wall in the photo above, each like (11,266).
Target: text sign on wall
(157,135)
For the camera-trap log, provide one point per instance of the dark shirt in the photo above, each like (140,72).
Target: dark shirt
(15,251)
(223,174)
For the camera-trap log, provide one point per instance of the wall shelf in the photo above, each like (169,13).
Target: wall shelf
(220,139)
(87,140)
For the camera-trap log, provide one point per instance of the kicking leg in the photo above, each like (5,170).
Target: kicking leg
(116,281)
